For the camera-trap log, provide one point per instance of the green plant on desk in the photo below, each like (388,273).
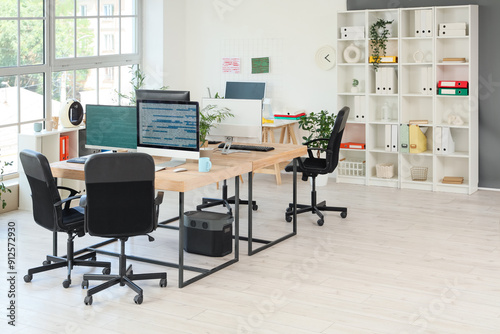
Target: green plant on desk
(320,126)
(3,188)
(209,117)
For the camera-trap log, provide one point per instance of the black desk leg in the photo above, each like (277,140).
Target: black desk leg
(181,239)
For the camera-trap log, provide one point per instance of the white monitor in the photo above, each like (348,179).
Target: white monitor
(169,129)
(244,127)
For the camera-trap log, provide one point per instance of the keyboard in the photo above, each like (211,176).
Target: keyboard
(79,160)
(249,147)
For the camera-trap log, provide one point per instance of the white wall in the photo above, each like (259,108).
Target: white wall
(198,33)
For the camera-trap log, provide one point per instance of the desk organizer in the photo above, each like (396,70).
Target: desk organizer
(418,173)
(385,171)
(351,167)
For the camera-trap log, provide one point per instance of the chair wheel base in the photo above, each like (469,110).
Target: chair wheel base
(163,283)
(138,299)
(66,283)
(88,300)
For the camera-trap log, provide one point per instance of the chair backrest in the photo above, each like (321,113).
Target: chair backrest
(44,191)
(120,200)
(333,149)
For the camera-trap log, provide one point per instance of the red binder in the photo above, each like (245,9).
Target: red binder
(453,84)
(351,145)
(64,148)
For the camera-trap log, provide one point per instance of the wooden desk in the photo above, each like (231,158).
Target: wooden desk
(287,136)
(166,179)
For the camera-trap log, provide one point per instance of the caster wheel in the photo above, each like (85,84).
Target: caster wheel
(320,222)
(163,282)
(255,207)
(85,284)
(288,218)
(88,300)
(343,214)
(28,278)
(106,271)
(289,210)
(45,263)
(66,283)
(138,299)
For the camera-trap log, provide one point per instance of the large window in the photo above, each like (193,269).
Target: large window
(54,50)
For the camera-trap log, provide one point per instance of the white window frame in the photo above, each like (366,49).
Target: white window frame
(52,65)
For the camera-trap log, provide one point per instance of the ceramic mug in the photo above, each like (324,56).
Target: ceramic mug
(37,127)
(204,164)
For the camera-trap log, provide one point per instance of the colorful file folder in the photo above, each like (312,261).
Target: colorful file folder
(418,140)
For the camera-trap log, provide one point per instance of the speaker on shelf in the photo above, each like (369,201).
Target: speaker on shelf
(71,113)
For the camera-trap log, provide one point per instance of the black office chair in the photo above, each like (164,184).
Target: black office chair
(120,203)
(54,214)
(312,167)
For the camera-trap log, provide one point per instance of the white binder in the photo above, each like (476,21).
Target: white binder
(430,81)
(359,108)
(438,143)
(418,23)
(394,138)
(422,83)
(388,138)
(447,140)
(428,28)
(390,80)
(379,81)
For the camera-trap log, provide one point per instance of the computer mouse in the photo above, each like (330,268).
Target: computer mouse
(177,170)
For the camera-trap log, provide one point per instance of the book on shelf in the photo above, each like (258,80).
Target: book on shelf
(289,116)
(454,60)
(418,121)
(453,179)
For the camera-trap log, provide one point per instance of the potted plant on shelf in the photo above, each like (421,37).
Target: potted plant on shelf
(354,88)
(209,117)
(3,188)
(379,34)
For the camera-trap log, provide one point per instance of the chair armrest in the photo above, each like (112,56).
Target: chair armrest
(83,201)
(66,201)
(159,198)
(72,192)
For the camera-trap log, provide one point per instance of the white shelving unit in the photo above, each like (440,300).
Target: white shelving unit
(47,143)
(417,54)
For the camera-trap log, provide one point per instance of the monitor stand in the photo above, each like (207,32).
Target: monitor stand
(227,147)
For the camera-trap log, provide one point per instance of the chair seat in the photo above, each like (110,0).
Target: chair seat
(73,218)
(309,164)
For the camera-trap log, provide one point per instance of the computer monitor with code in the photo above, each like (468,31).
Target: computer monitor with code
(169,129)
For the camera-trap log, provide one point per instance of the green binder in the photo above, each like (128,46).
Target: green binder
(453,91)
(404,138)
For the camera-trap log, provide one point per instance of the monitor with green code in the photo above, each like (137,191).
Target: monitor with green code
(111,127)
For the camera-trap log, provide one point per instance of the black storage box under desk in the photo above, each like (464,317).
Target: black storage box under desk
(208,233)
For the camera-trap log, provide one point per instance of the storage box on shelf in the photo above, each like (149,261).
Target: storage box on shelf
(432,44)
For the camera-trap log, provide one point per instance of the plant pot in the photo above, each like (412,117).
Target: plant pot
(354,89)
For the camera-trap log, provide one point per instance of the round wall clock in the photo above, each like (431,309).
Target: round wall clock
(325,57)
(71,113)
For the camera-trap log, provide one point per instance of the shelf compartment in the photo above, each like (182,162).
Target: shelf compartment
(418,78)
(410,49)
(382,158)
(354,132)
(447,111)
(345,76)
(354,115)
(350,19)
(377,140)
(375,108)
(416,108)
(449,47)
(342,45)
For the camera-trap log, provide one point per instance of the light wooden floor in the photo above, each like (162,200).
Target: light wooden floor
(403,261)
